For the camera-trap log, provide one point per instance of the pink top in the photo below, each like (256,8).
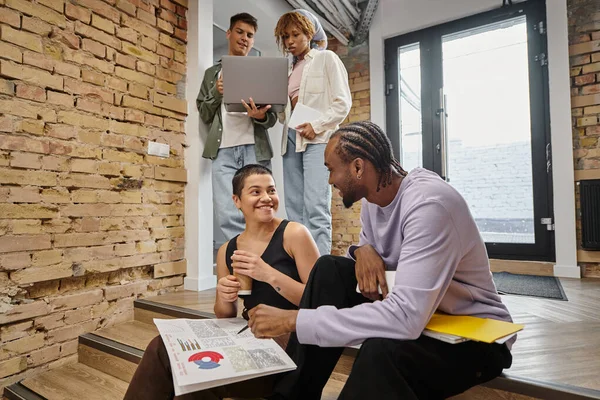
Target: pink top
(295,78)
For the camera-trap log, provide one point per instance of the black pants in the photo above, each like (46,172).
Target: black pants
(424,368)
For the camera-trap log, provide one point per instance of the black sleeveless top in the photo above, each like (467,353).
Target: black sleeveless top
(276,256)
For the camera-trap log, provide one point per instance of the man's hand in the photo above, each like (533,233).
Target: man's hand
(255,112)
(306,131)
(370,272)
(220,85)
(269,322)
(249,264)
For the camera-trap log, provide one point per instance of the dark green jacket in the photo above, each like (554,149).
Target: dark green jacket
(209,104)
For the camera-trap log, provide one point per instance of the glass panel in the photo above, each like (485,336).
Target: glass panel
(486,82)
(409,76)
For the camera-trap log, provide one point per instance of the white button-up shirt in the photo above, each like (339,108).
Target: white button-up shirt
(324,87)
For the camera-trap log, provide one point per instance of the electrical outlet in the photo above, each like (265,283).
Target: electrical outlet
(158,149)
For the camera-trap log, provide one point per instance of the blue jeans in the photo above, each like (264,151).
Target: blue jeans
(228,161)
(307,190)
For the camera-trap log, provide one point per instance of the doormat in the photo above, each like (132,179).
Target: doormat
(547,287)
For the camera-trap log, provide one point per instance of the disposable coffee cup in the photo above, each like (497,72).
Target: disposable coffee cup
(245,284)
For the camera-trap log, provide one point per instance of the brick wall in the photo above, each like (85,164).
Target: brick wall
(88,221)
(346,222)
(584,39)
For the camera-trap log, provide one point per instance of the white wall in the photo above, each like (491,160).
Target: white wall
(396,17)
(198,191)
(202,14)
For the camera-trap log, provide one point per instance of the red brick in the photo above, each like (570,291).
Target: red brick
(590,89)
(34,93)
(168,5)
(128,34)
(74,12)
(580,60)
(164,26)
(31,75)
(20,38)
(145,67)
(25,160)
(134,116)
(140,27)
(103,24)
(97,34)
(37,10)
(149,44)
(10,17)
(24,242)
(146,17)
(36,26)
(68,38)
(126,7)
(181,10)
(38,60)
(125,61)
(102,9)
(67,69)
(96,48)
(180,34)
(579,39)
(92,77)
(89,105)
(164,51)
(77,87)
(168,16)
(10,52)
(182,23)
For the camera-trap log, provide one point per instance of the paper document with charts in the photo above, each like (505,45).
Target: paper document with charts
(206,353)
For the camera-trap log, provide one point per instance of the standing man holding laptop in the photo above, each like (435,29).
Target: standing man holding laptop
(235,139)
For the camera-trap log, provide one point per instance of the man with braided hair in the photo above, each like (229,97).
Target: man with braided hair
(420,226)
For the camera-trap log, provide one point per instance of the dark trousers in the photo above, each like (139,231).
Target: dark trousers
(384,368)
(424,368)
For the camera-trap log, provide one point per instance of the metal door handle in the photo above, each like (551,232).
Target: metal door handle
(442,147)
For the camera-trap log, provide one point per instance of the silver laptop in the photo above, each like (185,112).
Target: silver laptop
(265,79)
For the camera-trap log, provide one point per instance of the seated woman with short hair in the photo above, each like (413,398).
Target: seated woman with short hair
(277,254)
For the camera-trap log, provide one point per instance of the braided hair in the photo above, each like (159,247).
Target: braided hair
(366,140)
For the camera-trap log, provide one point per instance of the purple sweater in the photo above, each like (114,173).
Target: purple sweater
(426,234)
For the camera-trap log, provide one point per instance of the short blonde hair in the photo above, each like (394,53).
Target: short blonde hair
(296,19)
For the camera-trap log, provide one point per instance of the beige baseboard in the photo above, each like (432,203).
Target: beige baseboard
(522,267)
(582,175)
(588,256)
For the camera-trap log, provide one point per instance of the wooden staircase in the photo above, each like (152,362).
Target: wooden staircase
(107,360)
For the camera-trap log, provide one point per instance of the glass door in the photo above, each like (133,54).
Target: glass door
(468,100)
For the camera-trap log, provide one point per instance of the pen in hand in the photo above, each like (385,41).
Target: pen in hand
(243,329)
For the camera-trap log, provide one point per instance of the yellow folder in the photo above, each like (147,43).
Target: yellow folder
(479,329)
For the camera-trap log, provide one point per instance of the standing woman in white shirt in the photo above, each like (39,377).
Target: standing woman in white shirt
(319,80)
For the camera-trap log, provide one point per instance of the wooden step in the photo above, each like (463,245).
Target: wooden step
(146,310)
(76,382)
(108,356)
(133,333)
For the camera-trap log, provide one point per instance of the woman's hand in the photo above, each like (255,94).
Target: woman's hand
(306,131)
(249,264)
(227,288)
(255,112)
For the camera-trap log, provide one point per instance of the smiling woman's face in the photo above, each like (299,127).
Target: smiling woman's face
(259,200)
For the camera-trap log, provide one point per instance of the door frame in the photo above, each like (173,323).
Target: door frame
(430,43)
